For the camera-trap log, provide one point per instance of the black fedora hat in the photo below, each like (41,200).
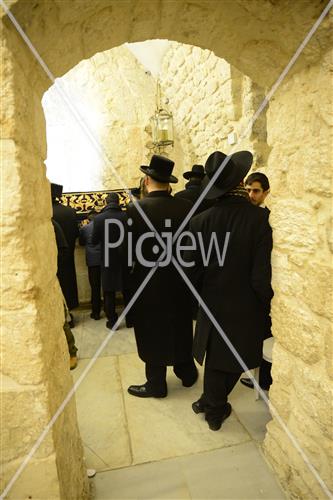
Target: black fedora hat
(160,169)
(236,167)
(197,171)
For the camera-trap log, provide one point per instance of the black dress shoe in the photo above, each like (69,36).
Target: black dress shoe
(247,382)
(111,323)
(95,316)
(198,407)
(141,391)
(215,423)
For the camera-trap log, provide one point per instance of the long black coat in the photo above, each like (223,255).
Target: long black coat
(239,293)
(191,193)
(114,271)
(66,218)
(162,312)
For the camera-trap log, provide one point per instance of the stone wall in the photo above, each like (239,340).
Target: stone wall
(35,374)
(116,96)
(257,37)
(209,100)
(300,170)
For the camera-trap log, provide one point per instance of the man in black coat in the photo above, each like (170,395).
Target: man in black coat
(237,289)
(93,261)
(162,312)
(66,218)
(258,188)
(192,189)
(193,186)
(114,265)
(62,248)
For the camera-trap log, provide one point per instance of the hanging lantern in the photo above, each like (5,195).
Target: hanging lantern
(162,128)
(161,124)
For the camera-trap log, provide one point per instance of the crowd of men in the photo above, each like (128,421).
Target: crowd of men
(201,254)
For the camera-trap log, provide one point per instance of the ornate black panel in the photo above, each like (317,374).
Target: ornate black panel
(84,203)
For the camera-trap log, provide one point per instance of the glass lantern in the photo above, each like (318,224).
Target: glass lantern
(162,128)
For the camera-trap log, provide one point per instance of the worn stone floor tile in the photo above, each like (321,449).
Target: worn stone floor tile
(237,472)
(164,428)
(101,416)
(254,415)
(89,335)
(93,461)
(159,480)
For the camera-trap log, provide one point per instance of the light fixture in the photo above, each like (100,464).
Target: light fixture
(161,124)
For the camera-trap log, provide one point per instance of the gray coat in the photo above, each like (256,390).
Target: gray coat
(93,252)
(114,268)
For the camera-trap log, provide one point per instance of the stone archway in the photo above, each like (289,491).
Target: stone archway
(258,38)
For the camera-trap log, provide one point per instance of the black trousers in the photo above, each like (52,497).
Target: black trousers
(110,305)
(94,275)
(217,387)
(156,375)
(265,378)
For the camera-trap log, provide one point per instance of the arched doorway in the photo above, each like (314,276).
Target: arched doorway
(258,39)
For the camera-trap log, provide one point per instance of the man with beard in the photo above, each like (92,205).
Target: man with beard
(162,311)
(236,289)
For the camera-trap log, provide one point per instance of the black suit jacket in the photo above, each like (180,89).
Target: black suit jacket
(191,193)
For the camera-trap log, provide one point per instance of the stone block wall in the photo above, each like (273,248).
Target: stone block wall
(300,133)
(116,96)
(259,39)
(35,374)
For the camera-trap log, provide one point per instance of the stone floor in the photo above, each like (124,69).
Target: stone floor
(158,448)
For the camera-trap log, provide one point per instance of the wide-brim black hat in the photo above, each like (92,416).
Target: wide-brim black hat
(160,169)
(56,190)
(197,171)
(236,167)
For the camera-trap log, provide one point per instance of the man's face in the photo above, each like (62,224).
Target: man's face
(256,193)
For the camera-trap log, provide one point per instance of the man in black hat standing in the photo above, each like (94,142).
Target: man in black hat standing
(66,218)
(114,266)
(192,189)
(162,311)
(193,186)
(236,290)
